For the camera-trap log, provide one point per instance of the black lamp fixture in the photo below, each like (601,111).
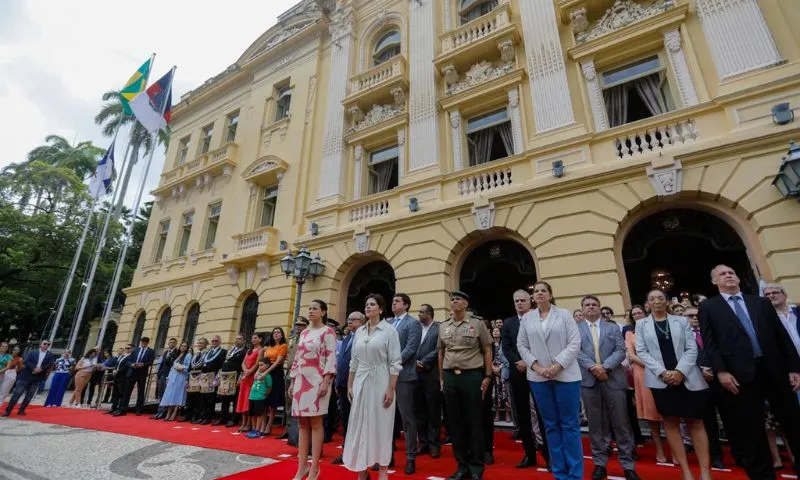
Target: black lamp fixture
(301,266)
(782,114)
(788,179)
(413,204)
(558,168)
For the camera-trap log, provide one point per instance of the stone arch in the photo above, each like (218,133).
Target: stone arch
(191,317)
(344,276)
(162,324)
(138,327)
(382,23)
(246,308)
(730,213)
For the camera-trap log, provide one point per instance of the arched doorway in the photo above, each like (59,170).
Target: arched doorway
(676,249)
(192,318)
(249,315)
(374,277)
(163,329)
(492,272)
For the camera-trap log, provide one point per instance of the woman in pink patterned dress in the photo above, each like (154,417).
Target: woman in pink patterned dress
(312,372)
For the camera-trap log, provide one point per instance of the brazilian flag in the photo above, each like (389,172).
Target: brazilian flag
(136,84)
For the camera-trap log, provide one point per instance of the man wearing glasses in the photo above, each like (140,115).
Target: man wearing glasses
(38,364)
(121,374)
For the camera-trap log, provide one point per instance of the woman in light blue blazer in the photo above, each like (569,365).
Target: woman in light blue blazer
(549,342)
(666,345)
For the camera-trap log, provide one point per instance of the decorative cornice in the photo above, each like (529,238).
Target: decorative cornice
(620,15)
(479,73)
(376,115)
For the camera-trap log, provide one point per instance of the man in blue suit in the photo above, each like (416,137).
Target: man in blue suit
(38,364)
(603,386)
(354,321)
(142,359)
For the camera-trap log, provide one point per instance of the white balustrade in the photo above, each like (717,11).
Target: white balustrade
(655,138)
(484,182)
(250,240)
(369,211)
(381,73)
(477,29)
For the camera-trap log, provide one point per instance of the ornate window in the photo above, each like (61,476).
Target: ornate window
(284,103)
(233,124)
(269,205)
(163,329)
(161,242)
(382,170)
(192,319)
(489,137)
(138,329)
(205,145)
(469,10)
(214,212)
(249,316)
(636,91)
(186,233)
(183,150)
(387,46)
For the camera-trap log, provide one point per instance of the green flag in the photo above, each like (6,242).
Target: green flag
(136,84)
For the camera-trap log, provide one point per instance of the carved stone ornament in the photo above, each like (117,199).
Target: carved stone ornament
(401,136)
(507,51)
(359,153)
(356,114)
(263,269)
(280,37)
(378,114)
(263,167)
(479,73)
(484,216)
(513,98)
(455,119)
(362,241)
(666,181)
(578,20)
(672,40)
(450,73)
(589,73)
(399,96)
(622,14)
(233,274)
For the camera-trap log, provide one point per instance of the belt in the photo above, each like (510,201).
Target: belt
(459,371)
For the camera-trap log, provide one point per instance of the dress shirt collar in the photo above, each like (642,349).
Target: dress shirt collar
(727,296)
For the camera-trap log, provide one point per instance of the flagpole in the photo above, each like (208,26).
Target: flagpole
(128,234)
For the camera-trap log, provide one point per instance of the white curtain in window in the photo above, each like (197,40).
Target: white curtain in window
(481,146)
(617,104)
(649,88)
(507,136)
(384,171)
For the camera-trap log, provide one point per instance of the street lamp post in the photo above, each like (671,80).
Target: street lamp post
(300,266)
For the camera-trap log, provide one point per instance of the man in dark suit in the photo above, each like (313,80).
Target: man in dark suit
(518,379)
(211,365)
(427,392)
(38,364)
(164,366)
(232,369)
(142,358)
(753,359)
(122,371)
(354,321)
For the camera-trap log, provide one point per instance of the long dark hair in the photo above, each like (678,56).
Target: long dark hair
(271,342)
(631,320)
(183,354)
(324,307)
(260,337)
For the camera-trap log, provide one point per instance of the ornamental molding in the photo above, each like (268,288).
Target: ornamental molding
(270,168)
(484,216)
(666,181)
(377,114)
(263,269)
(478,74)
(362,241)
(281,37)
(620,15)
(233,274)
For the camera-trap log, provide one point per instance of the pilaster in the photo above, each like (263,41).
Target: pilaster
(359,153)
(674,48)
(516,120)
(552,105)
(422,111)
(401,155)
(595,96)
(455,134)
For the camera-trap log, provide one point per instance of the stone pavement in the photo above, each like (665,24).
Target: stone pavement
(38,451)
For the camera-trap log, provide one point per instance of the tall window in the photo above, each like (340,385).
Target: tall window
(233,124)
(163,329)
(192,319)
(138,329)
(268,206)
(469,10)
(636,91)
(214,212)
(186,233)
(387,46)
(383,174)
(284,103)
(208,131)
(183,150)
(249,316)
(489,137)
(161,243)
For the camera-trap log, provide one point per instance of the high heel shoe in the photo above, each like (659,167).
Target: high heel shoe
(302,475)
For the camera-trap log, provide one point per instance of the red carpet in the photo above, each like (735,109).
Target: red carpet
(507,452)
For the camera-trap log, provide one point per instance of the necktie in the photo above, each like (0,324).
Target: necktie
(747,324)
(596,342)
(139,358)
(698,338)
(397,322)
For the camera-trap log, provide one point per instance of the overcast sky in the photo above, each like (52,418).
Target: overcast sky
(58,57)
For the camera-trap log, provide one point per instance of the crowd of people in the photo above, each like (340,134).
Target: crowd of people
(690,368)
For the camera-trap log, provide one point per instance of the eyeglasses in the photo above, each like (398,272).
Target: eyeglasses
(691,315)
(127,348)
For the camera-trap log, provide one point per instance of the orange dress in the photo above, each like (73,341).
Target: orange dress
(277,396)
(645,405)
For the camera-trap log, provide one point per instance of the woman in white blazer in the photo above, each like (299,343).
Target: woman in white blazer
(549,342)
(666,345)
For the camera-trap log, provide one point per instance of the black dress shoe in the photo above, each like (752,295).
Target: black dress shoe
(411,467)
(488,458)
(21,413)
(205,422)
(196,421)
(631,475)
(118,414)
(283,436)
(215,423)
(436,451)
(230,424)
(338,460)
(459,476)
(526,462)
(599,473)
(718,464)
(423,449)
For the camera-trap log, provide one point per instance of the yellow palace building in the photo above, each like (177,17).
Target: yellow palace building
(421,146)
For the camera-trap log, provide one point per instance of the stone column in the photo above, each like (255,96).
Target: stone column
(401,155)
(552,105)
(333,152)
(423,126)
(357,172)
(516,120)
(674,49)
(738,36)
(455,132)
(595,96)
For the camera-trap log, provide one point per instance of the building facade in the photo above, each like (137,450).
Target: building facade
(421,146)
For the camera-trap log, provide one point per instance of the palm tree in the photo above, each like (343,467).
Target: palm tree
(111,117)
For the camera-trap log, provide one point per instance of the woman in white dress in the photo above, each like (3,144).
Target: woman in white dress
(374,367)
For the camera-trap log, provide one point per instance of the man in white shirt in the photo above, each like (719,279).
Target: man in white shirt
(789,315)
(37,366)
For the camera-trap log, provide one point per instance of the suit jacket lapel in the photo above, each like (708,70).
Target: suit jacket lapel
(753,310)
(725,307)
(677,335)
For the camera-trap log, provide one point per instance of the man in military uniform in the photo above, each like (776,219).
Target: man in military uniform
(465,367)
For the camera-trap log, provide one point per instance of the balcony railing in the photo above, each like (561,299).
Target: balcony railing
(655,138)
(394,68)
(478,29)
(199,170)
(484,182)
(369,211)
(259,239)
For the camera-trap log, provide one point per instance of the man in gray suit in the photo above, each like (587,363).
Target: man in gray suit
(603,385)
(410,332)
(427,393)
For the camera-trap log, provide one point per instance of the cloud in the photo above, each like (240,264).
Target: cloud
(15,22)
